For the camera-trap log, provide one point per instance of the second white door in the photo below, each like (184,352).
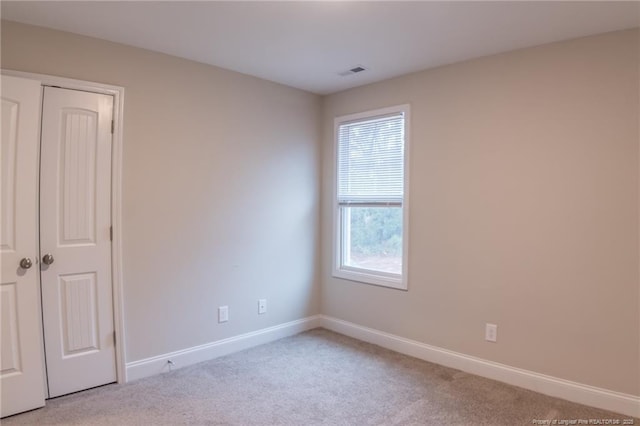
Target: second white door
(75,242)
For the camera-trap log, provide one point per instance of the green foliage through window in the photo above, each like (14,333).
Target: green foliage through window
(376,231)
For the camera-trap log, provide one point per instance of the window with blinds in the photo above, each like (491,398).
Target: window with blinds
(370,197)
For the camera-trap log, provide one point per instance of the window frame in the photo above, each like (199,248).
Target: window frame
(369,276)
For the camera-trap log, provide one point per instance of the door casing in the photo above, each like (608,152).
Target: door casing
(116,196)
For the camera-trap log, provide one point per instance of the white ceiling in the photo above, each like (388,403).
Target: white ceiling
(307,44)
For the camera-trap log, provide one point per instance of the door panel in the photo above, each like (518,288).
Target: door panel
(78,178)
(22,384)
(9,145)
(79,309)
(75,220)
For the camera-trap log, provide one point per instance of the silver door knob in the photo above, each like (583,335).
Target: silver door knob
(47,259)
(26,263)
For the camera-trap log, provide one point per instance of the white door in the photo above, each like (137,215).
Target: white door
(22,367)
(75,220)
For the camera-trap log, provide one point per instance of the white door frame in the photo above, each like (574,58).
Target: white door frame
(116,196)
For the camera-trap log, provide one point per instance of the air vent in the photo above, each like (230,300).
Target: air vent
(353,70)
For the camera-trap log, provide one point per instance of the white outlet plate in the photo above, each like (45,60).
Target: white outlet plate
(491,333)
(223,314)
(262,306)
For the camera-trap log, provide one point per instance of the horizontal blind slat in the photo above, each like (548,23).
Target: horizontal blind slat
(371,159)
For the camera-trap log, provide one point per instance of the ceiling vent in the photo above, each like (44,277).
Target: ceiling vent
(353,70)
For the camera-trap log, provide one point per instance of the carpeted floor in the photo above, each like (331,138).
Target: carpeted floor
(313,378)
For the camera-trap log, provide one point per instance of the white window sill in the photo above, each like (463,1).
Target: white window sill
(371,277)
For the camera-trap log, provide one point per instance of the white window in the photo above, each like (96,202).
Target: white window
(371,197)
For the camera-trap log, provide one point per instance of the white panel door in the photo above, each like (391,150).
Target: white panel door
(75,220)
(22,385)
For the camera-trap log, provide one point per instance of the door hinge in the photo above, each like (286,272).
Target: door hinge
(111,233)
(113,126)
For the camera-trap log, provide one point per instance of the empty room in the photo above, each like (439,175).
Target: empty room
(329,212)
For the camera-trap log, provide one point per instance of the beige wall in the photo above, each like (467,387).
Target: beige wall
(220,180)
(524,210)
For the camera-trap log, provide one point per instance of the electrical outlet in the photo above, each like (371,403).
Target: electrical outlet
(223,314)
(491,333)
(262,306)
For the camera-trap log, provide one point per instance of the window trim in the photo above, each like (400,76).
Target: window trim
(368,276)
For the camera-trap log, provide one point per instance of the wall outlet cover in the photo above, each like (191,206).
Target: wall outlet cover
(223,314)
(491,332)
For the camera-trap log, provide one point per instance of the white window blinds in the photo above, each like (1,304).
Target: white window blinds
(371,161)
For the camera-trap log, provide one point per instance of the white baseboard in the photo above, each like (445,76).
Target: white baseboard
(158,364)
(628,405)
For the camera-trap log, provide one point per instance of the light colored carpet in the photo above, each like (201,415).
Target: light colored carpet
(314,378)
